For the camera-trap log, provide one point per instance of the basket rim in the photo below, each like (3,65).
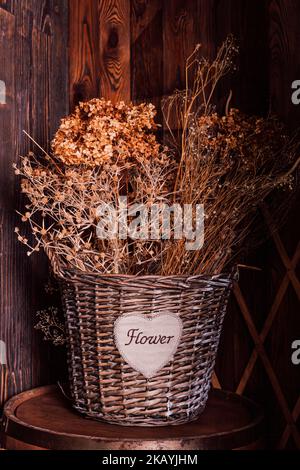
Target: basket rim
(225,275)
(151,281)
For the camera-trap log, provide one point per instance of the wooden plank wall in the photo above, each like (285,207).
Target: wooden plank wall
(135,49)
(34,67)
(155,37)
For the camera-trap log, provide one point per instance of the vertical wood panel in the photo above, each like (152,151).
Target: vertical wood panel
(147,51)
(16,282)
(247,20)
(37,69)
(40,91)
(207,28)
(84,70)
(7,28)
(114,24)
(53,21)
(284,38)
(180,29)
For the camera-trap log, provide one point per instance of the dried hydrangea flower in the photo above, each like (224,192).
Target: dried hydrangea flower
(100,132)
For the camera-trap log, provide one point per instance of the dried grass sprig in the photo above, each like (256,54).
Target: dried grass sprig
(228,163)
(52,328)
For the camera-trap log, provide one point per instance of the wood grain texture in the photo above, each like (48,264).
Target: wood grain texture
(147,51)
(207,27)
(55,25)
(228,422)
(84,75)
(247,21)
(15,444)
(137,49)
(185,25)
(36,73)
(7,28)
(114,25)
(181,34)
(8,257)
(284,68)
(284,40)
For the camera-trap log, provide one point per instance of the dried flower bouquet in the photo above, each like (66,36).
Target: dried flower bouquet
(100,153)
(229,163)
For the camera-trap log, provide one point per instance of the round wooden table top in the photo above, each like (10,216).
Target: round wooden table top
(44,418)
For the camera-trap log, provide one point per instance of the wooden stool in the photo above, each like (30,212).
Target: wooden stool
(43,419)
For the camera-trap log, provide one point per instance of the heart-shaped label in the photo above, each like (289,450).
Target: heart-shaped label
(147,343)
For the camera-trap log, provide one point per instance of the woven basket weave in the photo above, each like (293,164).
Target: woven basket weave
(103,385)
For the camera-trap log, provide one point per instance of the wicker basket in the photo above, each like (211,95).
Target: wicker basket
(103,385)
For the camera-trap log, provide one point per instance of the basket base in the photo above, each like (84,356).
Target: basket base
(170,421)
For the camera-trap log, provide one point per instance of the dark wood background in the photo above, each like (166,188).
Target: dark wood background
(34,67)
(136,49)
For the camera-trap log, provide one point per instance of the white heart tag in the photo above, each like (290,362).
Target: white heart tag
(147,343)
